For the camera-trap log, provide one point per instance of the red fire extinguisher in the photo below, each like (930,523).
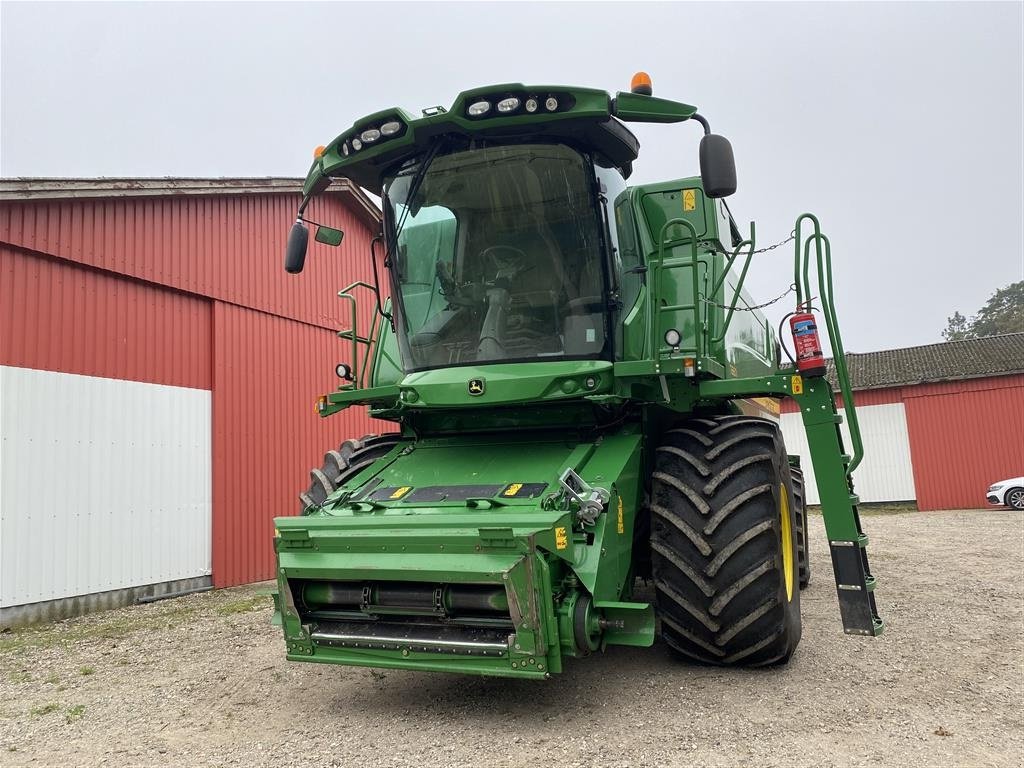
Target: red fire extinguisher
(809,359)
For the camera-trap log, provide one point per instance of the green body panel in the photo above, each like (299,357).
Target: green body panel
(467,512)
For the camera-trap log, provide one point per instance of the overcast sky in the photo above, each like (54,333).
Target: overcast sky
(900,125)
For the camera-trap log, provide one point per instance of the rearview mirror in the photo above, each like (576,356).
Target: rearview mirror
(295,253)
(717,166)
(329,235)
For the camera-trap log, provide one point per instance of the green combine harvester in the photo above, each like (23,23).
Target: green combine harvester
(569,363)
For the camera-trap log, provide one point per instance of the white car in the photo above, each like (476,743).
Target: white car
(1008,492)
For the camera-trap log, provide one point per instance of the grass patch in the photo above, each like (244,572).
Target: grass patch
(245,605)
(45,709)
(53,679)
(86,671)
(869,510)
(120,622)
(74,713)
(19,677)
(113,625)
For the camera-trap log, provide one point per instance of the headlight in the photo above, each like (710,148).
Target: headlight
(370,135)
(508,105)
(531,105)
(357,144)
(995,487)
(391,127)
(550,103)
(478,108)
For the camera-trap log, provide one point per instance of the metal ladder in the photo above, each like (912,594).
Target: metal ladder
(833,467)
(360,373)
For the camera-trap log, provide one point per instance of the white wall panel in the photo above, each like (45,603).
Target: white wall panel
(885,474)
(104,484)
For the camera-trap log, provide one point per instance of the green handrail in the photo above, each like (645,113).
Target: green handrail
(698,330)
(739,284)
(823,253)
(357,371)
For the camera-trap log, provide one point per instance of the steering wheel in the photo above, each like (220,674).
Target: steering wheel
(506,260)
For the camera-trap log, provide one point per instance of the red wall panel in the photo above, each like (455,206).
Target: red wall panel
(268,374)
(58,316)
(964,436)
(227,247)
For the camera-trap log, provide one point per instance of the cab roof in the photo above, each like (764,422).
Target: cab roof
(586,118)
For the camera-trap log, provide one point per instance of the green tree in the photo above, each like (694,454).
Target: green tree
(957,328)
(1002,313)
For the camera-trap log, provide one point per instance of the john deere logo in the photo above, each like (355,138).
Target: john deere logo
(476,386)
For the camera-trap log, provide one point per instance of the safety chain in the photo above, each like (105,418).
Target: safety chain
(780,297)
(791,238)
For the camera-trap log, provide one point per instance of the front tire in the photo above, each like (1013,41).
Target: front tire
(352,457)
(1015,498)
(723,544)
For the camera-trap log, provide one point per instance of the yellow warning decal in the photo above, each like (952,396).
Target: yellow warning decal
(561,538)
(400,492)
(689,200)
(513,489)
(796,385)
(620,524)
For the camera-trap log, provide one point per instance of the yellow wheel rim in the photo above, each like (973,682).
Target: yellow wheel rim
(787,541)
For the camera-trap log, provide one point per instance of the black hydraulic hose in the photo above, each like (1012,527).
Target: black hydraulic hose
(782,342)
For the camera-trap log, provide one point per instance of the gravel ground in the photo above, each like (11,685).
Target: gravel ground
(201,680)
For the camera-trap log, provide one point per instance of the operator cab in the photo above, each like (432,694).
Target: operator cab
(500,254)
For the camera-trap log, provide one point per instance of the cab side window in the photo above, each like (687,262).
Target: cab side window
(629,253)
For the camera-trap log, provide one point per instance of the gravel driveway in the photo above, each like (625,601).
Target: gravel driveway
(201,680)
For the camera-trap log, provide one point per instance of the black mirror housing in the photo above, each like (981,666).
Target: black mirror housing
(717,166)
(295,253)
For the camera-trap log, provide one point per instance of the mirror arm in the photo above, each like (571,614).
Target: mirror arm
(376,280)
(703,121)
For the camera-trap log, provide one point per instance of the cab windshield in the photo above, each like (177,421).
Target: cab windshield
(498,257)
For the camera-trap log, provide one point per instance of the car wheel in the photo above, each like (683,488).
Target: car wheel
(1015,498)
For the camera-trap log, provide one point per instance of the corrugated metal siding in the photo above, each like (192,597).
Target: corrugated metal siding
(268,374)
(866,397)
(118,288)
(885,474)
(61,317)
(229,248)
(964,436)
(104,484)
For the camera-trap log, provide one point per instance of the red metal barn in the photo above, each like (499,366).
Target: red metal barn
(158,374)
(940,422)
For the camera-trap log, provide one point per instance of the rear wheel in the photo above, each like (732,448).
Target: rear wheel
(352,457)
(723,543)
(801,532)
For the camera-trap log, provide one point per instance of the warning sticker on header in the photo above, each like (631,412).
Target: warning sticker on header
(689,200)
(523,490)
(561,538)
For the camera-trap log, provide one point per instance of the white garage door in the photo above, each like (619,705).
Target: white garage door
(104,484)
(886,473)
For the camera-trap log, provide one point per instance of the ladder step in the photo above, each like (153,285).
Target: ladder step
(855,587)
